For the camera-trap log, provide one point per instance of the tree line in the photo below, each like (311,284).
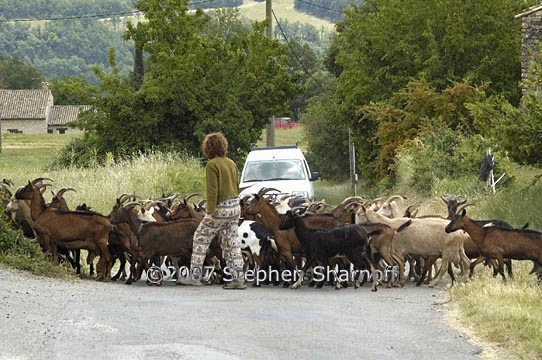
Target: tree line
(436,82)
(17,9)
(71,46)
(407,71)
(41,9)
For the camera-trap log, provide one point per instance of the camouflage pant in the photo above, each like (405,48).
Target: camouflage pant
(225,220)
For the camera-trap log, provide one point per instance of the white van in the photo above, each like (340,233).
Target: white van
(280,167)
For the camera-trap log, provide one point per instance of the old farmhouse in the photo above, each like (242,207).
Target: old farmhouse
(33,112)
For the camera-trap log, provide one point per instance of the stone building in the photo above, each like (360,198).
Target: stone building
(25,111)
(33,112)
(62,115)
(531,33)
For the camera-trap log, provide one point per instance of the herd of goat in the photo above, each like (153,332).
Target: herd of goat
(277,233)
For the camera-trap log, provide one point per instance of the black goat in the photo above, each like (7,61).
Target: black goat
(320,245)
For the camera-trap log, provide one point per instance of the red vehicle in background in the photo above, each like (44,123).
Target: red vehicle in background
(285,123)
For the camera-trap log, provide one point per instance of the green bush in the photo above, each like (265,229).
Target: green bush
(21,253)
(446,155)
(77,153)
(517,206)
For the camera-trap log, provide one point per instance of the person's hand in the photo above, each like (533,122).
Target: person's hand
(208,217)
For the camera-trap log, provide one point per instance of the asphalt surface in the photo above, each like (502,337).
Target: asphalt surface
(43,318)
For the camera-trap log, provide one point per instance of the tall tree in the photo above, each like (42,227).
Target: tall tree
(384,44)
(16,74)
(195,84)
(72,90)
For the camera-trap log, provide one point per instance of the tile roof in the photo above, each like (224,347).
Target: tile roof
(63,114)
(24,104)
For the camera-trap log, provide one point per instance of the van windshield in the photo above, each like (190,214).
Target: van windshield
(274,170)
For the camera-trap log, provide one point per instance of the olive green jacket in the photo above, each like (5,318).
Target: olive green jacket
(221,181)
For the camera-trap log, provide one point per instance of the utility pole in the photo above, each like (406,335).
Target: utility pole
(352,159)
(269,17)
(270,131)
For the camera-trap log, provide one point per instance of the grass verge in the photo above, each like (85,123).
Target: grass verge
(504,316)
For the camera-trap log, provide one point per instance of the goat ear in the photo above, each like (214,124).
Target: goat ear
(463,212)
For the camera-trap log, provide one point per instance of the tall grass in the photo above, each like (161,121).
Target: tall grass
(332,193)
(507,314)
(147,175)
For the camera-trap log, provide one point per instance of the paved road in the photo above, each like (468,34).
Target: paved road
(45,318)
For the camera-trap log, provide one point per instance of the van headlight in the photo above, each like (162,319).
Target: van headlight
(305,194)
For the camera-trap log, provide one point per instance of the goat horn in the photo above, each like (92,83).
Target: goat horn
(172,197)
(8,182)
(298,210)
(317,207)
(461,197)
(125,197)
(36,180)
(374,201)
(409,210)
(132,204)
(246,197)
(444,198)
(63,190)
(350,199)
(265,190)
(191,196)
(461,207)
(284,197)
(393,197)
(352,205)
(147,204)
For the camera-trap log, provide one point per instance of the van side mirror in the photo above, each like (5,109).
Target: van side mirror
(315,175)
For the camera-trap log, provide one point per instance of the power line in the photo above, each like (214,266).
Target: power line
(293,52)
(93,16)
(320,6)
(88,16)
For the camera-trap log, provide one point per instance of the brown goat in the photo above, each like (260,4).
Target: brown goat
(69,229)
(173,238)
(286,240)
(287,243)
(500,243)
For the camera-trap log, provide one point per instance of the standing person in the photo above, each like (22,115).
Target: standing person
(222,214)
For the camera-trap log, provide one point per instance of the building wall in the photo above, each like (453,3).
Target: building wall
(531,30)
(26,126)
(54,129)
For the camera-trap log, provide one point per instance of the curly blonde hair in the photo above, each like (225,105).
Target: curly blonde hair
(214,145)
